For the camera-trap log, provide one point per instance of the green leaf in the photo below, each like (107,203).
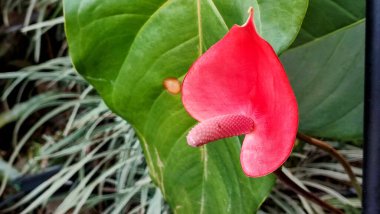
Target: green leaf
(127,48)
(326,69)
(326,16)
(327,76)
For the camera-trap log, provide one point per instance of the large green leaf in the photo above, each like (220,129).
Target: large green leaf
(326,16)
(326,69)
(127,48)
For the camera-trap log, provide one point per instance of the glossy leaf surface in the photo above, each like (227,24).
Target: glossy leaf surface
(127,48)
(334,14)
(327,70)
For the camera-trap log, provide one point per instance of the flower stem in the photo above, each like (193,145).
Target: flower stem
(299,190)
(333,152)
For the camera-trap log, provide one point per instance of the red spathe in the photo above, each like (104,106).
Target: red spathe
(242,75)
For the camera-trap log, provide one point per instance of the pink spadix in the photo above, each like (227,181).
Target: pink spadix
(219,127)
(239,86)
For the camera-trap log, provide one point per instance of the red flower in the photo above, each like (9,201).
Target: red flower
(239,86)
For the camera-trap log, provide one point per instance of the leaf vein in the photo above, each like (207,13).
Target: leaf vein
(218,14)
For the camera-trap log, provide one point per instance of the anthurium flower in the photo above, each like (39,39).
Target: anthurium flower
(237,87)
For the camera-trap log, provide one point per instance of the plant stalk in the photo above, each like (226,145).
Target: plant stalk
(299,190)
(333,152)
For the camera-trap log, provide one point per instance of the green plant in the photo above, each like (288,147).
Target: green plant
(324,64)
(148,42)
(142,55)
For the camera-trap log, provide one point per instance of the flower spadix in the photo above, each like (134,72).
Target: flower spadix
(237,87)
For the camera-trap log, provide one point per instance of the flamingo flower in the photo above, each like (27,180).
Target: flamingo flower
(237,87)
